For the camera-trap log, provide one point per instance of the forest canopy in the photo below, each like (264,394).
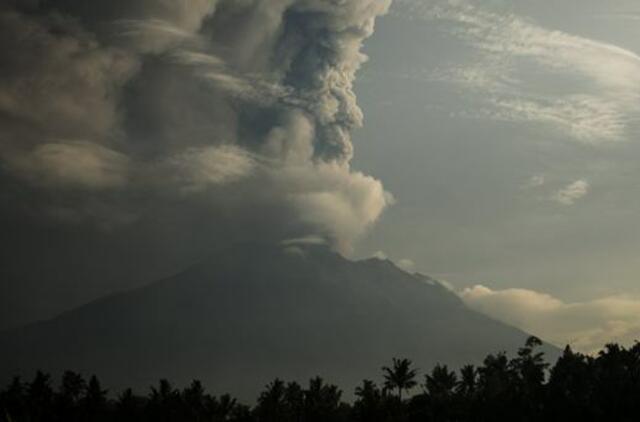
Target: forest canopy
(520,388)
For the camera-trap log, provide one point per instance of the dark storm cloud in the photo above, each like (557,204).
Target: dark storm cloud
(182,124)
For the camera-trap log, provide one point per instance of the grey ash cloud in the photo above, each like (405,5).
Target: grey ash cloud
(202,117)
(180,97)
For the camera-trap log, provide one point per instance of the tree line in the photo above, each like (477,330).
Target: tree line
(523,388)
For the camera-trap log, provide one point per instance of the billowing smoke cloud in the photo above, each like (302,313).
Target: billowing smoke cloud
(181,97)
(169,120)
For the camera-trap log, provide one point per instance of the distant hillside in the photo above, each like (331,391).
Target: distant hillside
(254,312)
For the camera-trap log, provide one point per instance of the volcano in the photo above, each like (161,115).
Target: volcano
(254,312)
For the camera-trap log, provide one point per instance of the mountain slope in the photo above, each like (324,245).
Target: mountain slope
(255,312)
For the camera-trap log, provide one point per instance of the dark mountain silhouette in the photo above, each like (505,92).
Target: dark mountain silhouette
(255,312)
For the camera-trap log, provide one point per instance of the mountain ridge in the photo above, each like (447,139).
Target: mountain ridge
(254,312)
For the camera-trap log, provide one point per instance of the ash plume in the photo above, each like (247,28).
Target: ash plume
(102,101)
(172,127)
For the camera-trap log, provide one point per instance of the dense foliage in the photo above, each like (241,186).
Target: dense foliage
(524,388)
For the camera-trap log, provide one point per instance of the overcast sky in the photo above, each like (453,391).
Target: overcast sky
(507,132)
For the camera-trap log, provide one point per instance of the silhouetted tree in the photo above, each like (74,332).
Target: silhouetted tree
(496,387)
(441,382)
(40,398)
(94,400)
(67,401)
(129,407)
(13,401)
(369,404)
(294,396)
(193,401)
(529,368)
(164,402)
(467,391)
(272,403)
(322,402)
(605,387)
(220,409)
(440,388)
(467,385)
(614,373)
(400,376)
(570,386)
(73,386)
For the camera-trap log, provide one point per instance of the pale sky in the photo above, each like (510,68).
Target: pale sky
(507,132)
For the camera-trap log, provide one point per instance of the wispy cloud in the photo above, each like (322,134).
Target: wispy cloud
(535,181)
(75,165)
(407,264)
(619,16)
(595,106)
(571,193)
(196,169)
(587,326)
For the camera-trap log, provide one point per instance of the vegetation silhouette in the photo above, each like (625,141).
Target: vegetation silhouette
(400,376)
(578,387)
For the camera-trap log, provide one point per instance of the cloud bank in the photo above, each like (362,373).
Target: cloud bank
(586,326)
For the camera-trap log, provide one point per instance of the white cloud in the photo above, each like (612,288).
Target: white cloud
(571,193)
(596,106)
(404,264)
(535,181)
(585,118)
(340,202)
(447,285)
(587,326)
(380,255)
(407,265)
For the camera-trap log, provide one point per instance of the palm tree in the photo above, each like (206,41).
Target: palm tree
(368,391)
(468,381)
(466,391)
(400,376)
(441,382)
(226,407)
(440,386)
(530,365)
(367,406)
